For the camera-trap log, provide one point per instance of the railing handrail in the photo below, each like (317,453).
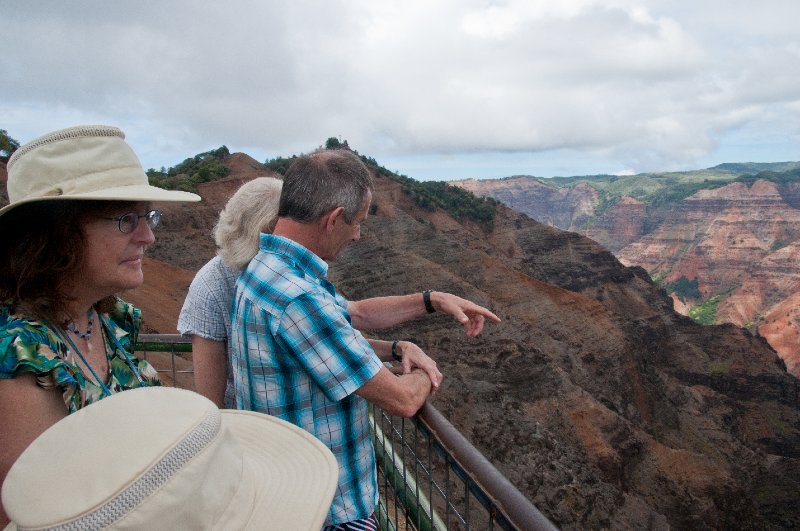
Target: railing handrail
(163,343)
(162,338)
(519,510)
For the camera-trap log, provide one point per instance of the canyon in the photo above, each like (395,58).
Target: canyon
(599,401)
(736,242)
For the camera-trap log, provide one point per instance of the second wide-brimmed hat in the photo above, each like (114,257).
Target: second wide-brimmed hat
(82,162)
(164,458)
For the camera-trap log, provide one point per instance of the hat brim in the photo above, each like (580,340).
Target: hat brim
(119,193)
(289,476)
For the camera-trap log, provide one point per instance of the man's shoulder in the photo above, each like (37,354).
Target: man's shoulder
(273,280)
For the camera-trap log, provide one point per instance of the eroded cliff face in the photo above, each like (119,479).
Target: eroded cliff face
(738,242)
(721,238)
(620,225)
(566,208)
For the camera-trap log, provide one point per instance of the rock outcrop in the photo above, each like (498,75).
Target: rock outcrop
(566,208)
(620,225)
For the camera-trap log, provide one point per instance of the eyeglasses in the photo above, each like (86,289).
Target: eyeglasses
(127,223)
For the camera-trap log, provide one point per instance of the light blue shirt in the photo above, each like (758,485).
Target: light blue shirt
(296,355)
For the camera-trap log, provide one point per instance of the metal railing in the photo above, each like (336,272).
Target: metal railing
(430,477)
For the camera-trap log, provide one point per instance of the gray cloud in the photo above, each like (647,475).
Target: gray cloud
(634,84)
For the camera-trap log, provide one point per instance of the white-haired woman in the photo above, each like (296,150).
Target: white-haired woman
(206,312)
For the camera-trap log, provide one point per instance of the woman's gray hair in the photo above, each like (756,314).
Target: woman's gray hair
(253,209)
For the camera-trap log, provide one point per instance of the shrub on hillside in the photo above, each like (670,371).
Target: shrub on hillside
(684,288)
(201,168)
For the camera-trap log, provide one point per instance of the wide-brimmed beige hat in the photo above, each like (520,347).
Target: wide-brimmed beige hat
(82,162)
(165,458)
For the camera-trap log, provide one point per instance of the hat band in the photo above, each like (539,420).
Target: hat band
(127,500)
(64,134)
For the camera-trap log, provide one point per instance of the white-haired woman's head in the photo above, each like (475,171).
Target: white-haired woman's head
(253,209)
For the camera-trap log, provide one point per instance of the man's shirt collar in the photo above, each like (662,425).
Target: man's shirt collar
(305,260)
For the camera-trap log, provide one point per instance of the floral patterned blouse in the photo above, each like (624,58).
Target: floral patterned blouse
(29,346)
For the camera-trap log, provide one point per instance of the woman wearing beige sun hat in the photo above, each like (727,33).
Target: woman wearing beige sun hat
(79,220)
(165,458)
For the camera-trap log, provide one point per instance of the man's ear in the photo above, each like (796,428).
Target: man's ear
(333,217)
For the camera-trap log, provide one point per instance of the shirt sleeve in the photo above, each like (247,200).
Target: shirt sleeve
(333,353)
(202,312)
(27,346)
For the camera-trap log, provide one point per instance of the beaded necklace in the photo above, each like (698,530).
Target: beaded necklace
(100,383)
(117,346)
(70,325)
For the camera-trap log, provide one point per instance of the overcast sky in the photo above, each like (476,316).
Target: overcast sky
(431,89)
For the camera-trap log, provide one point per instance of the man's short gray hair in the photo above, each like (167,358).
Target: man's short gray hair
(318,183)
(253,209)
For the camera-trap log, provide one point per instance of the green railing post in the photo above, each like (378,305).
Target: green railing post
(405,486)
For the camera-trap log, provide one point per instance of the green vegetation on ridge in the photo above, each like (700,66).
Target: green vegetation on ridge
(656,189)
(784,177)
(7,145)
(649,188)
(684,288)
(429,195)
(201,168)
(706,312)
(209,166)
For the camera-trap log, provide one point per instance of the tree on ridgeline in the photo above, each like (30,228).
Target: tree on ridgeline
(201,168)
(334,143)
(7,145)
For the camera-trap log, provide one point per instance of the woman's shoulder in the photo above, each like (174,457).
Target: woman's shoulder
(27,344)
(216,270)
(215,280)
(14,324)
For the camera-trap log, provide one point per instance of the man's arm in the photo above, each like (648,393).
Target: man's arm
(411,356)
(398,395)
(383,312)
(210,368)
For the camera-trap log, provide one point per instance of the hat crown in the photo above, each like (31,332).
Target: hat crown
(82,162)
(73,161)
(65,134)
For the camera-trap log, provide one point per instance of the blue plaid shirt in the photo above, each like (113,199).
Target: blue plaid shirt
(296,356)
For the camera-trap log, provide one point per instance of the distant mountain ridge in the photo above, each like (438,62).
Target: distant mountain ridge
(721,240)
(756,167)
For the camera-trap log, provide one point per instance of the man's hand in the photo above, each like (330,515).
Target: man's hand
(465,312)
(413,357)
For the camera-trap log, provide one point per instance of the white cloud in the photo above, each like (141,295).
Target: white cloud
(631,84)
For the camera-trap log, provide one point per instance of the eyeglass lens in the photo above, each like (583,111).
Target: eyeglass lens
(129,221)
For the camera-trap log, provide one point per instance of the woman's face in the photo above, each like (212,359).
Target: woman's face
(112,260)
